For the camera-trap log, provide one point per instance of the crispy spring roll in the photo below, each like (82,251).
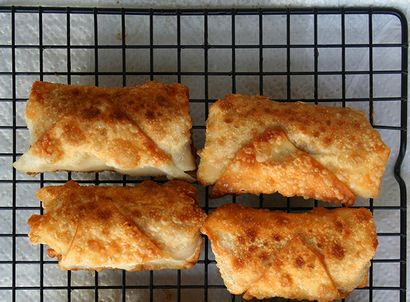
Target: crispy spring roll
(140,131)
(147,227)
(255,145)
(320,255)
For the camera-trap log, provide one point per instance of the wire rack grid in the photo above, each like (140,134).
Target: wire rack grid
(343,57)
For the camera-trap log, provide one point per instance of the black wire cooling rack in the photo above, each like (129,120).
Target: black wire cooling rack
(26,273)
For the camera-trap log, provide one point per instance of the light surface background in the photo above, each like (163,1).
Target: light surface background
(386,115)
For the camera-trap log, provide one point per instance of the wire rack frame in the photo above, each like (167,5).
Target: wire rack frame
(205,74)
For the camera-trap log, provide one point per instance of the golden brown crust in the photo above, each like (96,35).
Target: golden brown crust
(320,255)
(297,271)
(271,163)
(87,128)
(149,226)
(341,140)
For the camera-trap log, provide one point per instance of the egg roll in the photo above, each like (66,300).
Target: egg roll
(140,131)
(256,145)
(320,255)
(146,227)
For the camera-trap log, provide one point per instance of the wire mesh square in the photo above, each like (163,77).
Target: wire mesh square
(331,56)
